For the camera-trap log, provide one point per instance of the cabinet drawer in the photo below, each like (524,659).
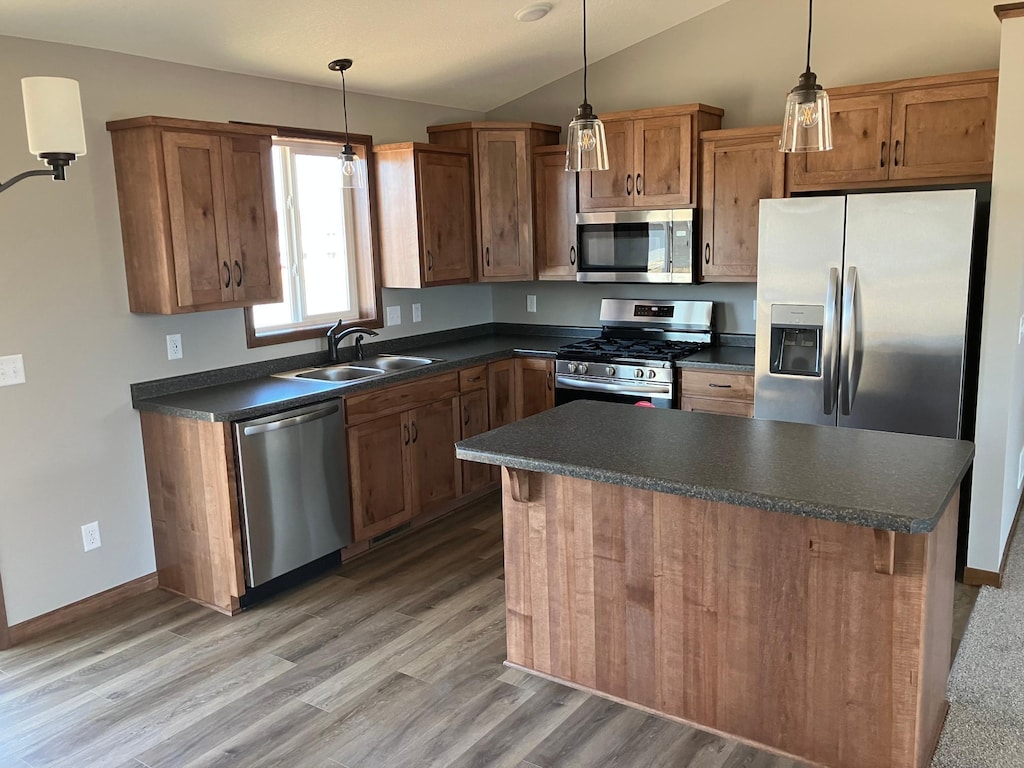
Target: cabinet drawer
(473,378)
(360,408)
(723,386)
(715,405)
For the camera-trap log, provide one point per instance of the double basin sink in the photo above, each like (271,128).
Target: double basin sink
(357,370)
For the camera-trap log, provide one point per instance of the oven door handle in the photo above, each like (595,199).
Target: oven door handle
(646,390)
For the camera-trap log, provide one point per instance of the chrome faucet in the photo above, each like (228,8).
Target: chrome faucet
(335,335)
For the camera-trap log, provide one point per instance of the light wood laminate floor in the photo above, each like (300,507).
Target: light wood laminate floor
(394,661)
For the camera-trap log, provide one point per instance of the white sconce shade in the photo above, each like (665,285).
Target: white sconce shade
(53,116)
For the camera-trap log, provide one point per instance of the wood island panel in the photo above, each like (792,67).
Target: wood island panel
(772,628)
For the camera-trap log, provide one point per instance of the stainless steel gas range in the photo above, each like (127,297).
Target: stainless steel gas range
(633,359)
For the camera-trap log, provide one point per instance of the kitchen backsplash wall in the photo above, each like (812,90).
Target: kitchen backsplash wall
(563,303)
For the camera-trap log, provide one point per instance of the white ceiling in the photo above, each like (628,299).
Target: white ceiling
(460,53)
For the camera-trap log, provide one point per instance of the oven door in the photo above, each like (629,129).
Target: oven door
(635,247)
(569,388)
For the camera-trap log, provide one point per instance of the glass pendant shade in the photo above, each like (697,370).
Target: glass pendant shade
(586,147)
(807,126)
(53,116)
(353,169)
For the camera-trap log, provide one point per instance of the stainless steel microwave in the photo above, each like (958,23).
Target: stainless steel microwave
(635,247)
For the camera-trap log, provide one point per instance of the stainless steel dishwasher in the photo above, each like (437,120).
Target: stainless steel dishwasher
(293,470)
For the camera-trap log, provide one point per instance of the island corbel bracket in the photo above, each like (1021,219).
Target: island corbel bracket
(519,484)
(885,552)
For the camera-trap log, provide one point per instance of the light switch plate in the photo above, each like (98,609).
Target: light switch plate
(755,310)
(531,303)
(12,370)
(174,346)
(417,313)
(1020,331)
(394,316)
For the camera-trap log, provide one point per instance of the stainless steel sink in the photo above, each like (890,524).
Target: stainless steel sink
(341,373)
(395,362)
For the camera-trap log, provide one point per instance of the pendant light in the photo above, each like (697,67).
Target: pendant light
(353,170)
(586,148)
(807,126)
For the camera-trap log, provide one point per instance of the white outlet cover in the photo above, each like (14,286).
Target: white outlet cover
(12,370)
(755,310)
(91,536)
(394,316)
(531,303)
(417,313)
(1020,331)
(174,346)
(1020,470)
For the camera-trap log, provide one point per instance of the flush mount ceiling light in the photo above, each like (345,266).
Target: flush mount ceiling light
(533,12)
(53,117)
(586,149)
(807,126)
(353,170)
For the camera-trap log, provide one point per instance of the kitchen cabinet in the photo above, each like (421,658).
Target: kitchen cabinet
(198,218)
(534,385)
(653,159)
(740,167)
(928,130)
(425,209)
(380,475)
(706,391)
(554,200)
(503,193)
(475,419)
(501,388)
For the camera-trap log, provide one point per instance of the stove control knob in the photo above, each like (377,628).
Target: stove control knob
(583,368)
(572,367)
(651,374)
(639,373)
(609,371)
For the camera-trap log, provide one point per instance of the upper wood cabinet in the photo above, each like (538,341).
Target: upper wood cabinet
(740,167)
(929,130)
(501,156)
(653,159)
(425,209)
(554,200)
(198,220)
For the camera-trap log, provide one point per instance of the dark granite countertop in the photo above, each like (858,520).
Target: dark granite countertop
(727,359)
(264,395)
(880,480)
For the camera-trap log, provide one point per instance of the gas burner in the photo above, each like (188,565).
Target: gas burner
(609,347)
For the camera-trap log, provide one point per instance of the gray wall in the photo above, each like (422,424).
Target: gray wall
(70,447)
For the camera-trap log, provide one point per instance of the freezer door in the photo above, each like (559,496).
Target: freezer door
(800,256)
(908,261)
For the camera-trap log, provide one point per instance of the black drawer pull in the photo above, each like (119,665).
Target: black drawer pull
(881,156)
(238,269)
(721,386)
(405,428)
(227,275)
(639,184)
(430,260)
(415,432)
(629,184)
(896,154)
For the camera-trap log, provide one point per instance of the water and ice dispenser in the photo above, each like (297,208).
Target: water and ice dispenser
(796,339)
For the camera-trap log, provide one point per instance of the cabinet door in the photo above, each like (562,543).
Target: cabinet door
(473,412)
(432,465)
(663,161)
(736,176)
(446,217)
(504,205)
(535,386)
(252,219)
(861,148)
(199,221)
(943,131)
(554,216)
(501,398)
(614,188)
(711,405)
(380,475)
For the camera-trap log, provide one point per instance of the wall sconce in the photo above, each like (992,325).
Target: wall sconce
(53,117)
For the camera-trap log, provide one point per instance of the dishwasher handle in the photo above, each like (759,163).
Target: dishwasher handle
(290,421)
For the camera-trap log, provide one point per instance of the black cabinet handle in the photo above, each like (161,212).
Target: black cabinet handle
(721,386)
(550,381)
(639,184)
(227,275)
(629,184)
(707,253)
(572,255)
(238,270)
(465,417)
(471,379)
(430,260)
(415,432)
(896,154)
(487,255)
(881,156)
(405,428)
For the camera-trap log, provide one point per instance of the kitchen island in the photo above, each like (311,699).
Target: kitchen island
(787,585)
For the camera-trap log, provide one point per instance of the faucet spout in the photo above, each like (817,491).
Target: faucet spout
(339,332)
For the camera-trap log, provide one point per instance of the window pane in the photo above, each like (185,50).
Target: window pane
(319,206)
(282,313)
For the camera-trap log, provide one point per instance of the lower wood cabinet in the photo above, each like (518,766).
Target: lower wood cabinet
(534,386)
(433,432)
(475,421)
(501,393)
(379,475)
(715,392)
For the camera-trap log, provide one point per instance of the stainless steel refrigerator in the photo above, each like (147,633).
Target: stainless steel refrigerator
(862,310)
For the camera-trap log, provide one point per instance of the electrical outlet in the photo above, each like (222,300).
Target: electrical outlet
(1020,331)
(417,313)
(91,536)
(1020,469)
(755,310)
(12,370)
(174,346)
(394,316)
(531,303)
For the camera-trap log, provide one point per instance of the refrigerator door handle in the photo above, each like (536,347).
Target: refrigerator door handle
(849,352)
(830,343)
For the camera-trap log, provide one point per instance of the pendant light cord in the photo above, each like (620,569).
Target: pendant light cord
(344,102)
(585,101)
(810,20)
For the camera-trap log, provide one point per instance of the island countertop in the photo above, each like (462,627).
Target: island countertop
(894,482)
